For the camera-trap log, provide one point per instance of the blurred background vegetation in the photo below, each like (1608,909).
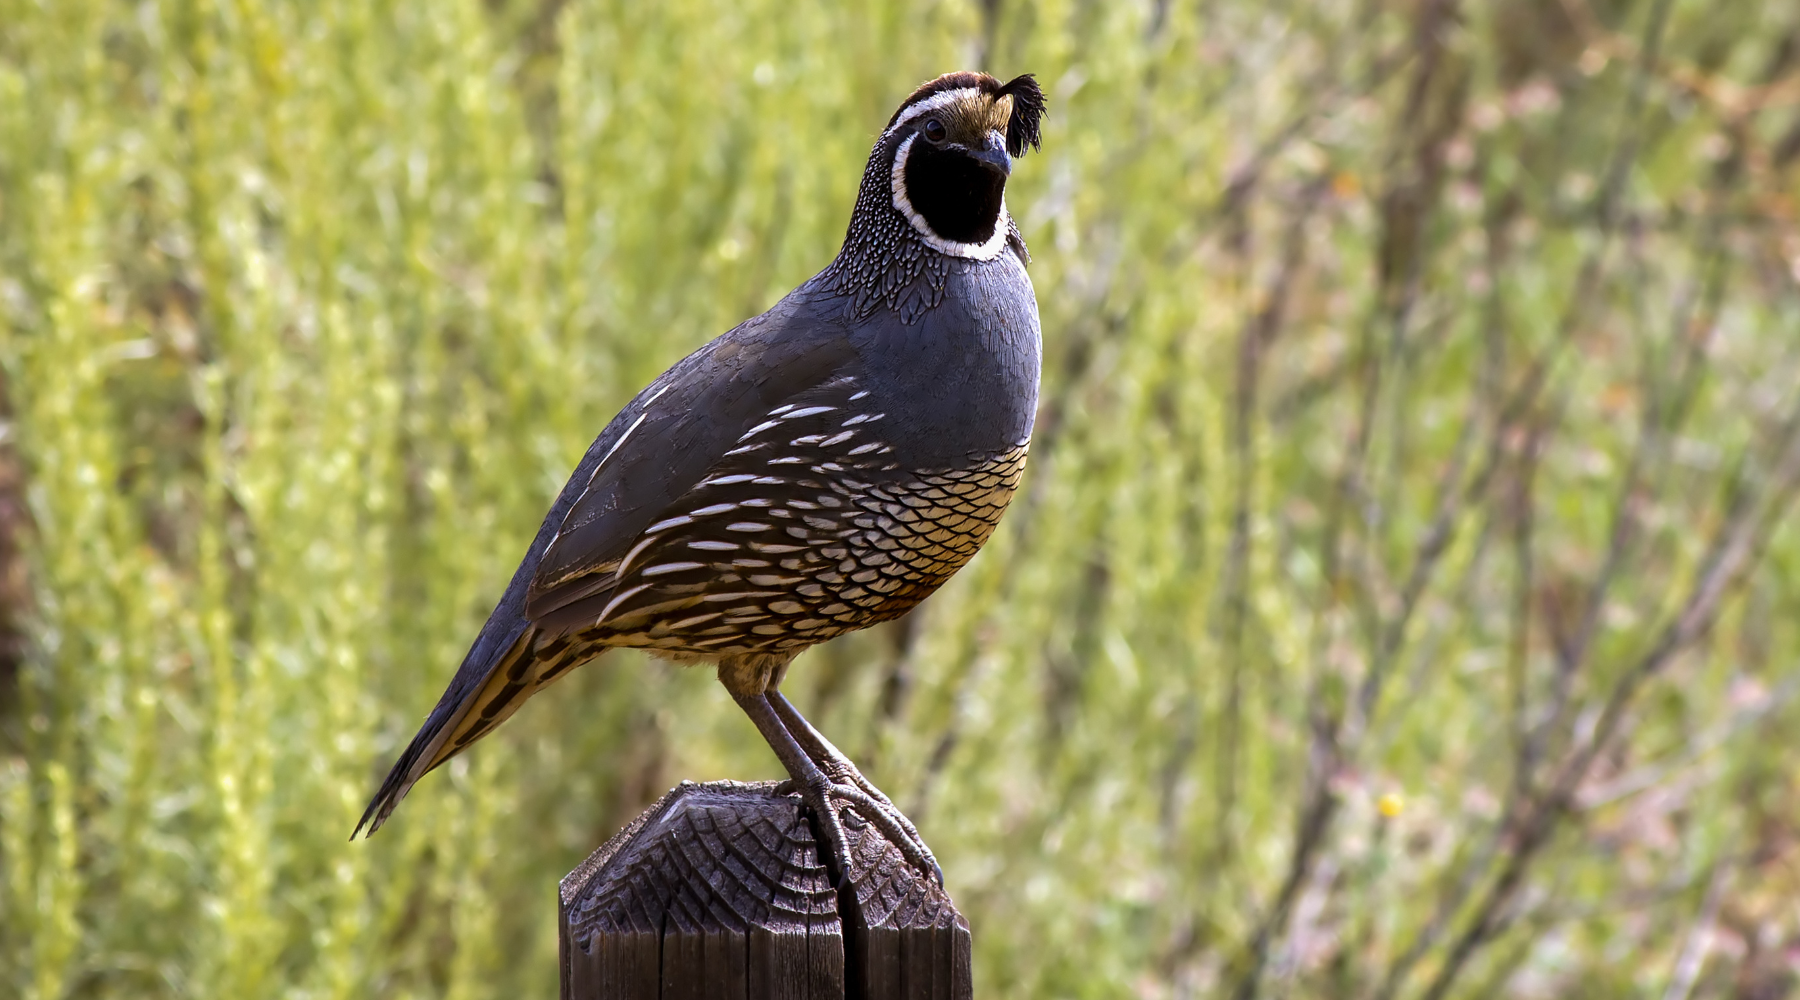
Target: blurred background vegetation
(1402,601)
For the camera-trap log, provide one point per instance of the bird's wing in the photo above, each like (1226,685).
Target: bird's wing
(695,418)
(776,501)
(781,440)
(650,455)
(564,617)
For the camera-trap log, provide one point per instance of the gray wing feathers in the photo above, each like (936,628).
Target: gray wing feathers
(696,413)
(652,453)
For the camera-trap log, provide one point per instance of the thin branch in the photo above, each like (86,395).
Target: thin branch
(1254,342)
(1699,940)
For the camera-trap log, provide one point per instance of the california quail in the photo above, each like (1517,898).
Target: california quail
(822,467)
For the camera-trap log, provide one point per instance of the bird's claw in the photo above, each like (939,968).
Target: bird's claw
(874,809)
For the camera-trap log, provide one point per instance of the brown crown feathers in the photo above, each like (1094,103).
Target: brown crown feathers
(1015,107)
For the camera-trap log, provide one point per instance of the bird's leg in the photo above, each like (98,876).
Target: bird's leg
(814,787)
(871,805)
(816,769)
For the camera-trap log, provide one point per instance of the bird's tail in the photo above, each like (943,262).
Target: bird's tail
(470,709)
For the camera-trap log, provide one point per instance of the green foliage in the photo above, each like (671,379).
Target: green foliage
(1401,601)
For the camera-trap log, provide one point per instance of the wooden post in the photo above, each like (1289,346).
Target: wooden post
(717,891)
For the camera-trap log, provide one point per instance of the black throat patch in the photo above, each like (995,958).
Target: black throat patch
(957,196)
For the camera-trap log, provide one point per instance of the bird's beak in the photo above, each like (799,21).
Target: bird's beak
(993,156)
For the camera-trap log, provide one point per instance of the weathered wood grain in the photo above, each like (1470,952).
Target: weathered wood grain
(717,891)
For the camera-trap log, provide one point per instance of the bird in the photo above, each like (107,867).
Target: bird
(820,468)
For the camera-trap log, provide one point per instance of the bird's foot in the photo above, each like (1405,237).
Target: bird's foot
(823,777)
(875,809)
(868,801)
(893,823)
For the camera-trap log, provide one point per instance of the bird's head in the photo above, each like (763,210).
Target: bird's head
(947,153)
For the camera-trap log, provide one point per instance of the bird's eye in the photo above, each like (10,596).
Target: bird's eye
(934,130)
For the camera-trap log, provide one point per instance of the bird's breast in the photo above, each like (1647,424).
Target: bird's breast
(960,381)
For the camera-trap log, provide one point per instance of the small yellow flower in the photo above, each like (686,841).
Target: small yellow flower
(1390,804)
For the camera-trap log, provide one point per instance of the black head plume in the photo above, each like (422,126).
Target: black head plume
(1028,109)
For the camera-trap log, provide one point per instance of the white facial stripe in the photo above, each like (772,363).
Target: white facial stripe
(973,251)
(942,99)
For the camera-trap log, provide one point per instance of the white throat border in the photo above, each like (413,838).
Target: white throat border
(987,250)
